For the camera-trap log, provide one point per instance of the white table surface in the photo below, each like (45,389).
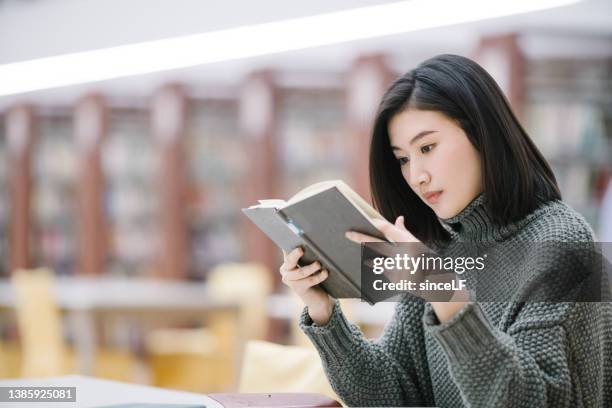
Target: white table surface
(141,296)
(94,392)
(108,293)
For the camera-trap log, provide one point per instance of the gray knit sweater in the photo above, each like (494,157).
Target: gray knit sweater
(490,354)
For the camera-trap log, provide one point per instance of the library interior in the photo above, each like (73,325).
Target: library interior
(124,253)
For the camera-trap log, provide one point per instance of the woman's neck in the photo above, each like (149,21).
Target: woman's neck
(476,223)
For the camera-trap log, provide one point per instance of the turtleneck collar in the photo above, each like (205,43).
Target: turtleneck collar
(475,223)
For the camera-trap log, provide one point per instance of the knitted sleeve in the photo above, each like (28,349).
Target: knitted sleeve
(530,364)
(391,371)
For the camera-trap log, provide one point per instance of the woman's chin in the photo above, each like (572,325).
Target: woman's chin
(444,213)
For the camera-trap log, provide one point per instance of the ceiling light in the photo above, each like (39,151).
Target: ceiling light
(254,40)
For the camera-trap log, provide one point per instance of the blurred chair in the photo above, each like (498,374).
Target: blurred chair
(187,359)
(246,283)
(3,362)
(206,359)
(114,364)
(270,367)
(43,350)
(10,359)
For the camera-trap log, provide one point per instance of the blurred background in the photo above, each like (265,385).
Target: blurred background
(123,250)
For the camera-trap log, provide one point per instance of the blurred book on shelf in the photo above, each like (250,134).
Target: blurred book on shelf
(217,167)
(55,198)
(130,165)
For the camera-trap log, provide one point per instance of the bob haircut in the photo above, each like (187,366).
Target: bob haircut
(516,177)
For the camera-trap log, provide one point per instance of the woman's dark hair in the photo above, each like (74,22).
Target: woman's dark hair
(516,177)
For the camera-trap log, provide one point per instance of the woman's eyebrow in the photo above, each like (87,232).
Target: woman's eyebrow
(416,138)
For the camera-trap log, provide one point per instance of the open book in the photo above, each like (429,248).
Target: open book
(316,218)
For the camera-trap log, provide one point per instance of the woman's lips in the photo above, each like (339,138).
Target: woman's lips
(433,197)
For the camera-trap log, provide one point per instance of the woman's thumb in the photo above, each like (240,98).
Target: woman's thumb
(399,222)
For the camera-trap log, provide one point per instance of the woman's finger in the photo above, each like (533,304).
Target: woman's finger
(399,223)
(293,257)
(395,232)
(359,238)
(301,273)
(307,283)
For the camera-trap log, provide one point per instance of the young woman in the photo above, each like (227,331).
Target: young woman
(450,163)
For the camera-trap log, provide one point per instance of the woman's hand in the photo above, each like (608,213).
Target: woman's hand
(446,310)
(393,232)
(303,281)
(398,233)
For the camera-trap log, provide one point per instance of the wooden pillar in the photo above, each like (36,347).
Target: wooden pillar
(20,129)
(368,80)
(502,57)
(258,108)
(257,113)
(90,127)
(169,123)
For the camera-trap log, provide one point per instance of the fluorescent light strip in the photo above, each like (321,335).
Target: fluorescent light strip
(254,40)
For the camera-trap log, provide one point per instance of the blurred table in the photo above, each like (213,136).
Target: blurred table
(85,300)
(93,392)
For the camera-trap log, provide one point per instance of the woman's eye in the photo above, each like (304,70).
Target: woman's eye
(403,160)
(427,148)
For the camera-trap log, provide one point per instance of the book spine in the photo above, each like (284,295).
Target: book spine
(325,260)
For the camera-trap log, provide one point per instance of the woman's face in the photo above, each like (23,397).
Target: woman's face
(437,160)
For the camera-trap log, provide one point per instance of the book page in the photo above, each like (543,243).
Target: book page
(269,204)
(312,190)
(364,208)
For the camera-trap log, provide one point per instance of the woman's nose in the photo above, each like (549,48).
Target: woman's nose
(423,178)
(419,176)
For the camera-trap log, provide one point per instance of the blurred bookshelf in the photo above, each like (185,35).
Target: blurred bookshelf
(130,163)
(568,113)
(4,200)
(54,193)
(217,163)
(567,110)
(313,138)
